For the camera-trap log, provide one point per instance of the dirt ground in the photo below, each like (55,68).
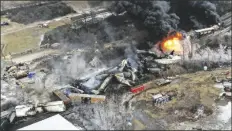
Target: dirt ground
(192,90)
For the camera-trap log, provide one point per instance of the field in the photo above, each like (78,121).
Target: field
(192,89)
(18,37)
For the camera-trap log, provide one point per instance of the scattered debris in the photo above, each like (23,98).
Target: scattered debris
(7,118)
(228,89)
(12,117)
(86,98)
(199,112)
(218,79)
(24,110)
(31,74)
(137,89)
(96,83)
(62,96)
(55,45)
(172,78)
(55,106)
(17,71)
(154,70)
(103,85)
(171,60)
(95,62)
(227,94)
(6,113)
(4,23)
(162,81)
(21,74)
(44,25)
(30,110)
(120,77)
(162,98)
(227,84)
(39,109)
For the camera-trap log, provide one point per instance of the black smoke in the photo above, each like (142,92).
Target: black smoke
(223,6)
(195,14)
(161,17)
(154,15)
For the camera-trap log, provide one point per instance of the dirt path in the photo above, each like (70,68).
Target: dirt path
(30,57)
(36,23)
(69,16)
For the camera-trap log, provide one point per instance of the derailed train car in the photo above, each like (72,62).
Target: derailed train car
(201,32)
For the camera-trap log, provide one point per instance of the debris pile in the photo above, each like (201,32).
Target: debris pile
(163,98)
(94,85)
(225,81)
(16,71)
(127,73)
(4,23)
(9,116)
(90,88)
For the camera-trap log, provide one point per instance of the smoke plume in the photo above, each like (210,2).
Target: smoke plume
(195,14)
(160,17)
(153,14)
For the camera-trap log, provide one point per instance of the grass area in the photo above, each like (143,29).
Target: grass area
(154,114)
(138,125)
(12,25)
(3,18)
(27,39)
(192,89)
(151,114)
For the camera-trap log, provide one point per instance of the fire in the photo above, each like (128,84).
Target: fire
(172,42)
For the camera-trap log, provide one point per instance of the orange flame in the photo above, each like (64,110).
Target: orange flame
(172,42)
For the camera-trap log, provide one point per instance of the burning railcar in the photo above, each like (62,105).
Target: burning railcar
(201,32)
(175,43)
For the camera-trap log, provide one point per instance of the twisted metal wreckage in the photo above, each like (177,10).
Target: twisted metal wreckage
(90,89)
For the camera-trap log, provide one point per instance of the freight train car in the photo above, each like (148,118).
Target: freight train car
(201,32)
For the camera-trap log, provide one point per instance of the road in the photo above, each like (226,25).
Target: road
(69,16)
(30,57)
(32,25)
(36,23)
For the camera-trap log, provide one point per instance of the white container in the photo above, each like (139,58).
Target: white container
(227,84)
(22,110)
(157,96)
(55,106)
(39,109)
(205,68)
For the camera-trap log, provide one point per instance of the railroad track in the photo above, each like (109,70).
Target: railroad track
(78,16)
(226,16)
